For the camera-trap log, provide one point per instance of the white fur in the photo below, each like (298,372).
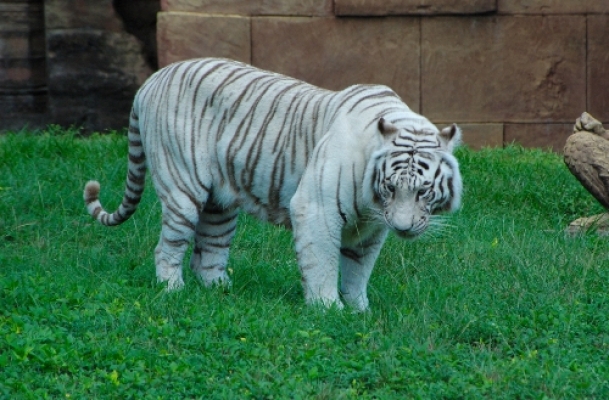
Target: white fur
(219,136)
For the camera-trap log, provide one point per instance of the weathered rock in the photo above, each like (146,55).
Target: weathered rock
(187,35)
(249,7)
(23,78)
(93,76)
(586,155)
(335,53)
(95,65)
(503,69)
(598,224)
(139,19)
(74,14)
(588,123)
(413,7)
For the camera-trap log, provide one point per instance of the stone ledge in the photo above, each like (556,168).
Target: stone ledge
(545,7)
(315,8)
(412,7)
(182,35)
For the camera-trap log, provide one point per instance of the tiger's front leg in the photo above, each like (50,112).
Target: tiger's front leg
(317,243)
(357,258)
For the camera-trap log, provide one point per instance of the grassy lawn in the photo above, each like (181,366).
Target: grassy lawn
(498,304)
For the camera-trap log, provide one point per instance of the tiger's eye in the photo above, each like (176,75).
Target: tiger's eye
(390,187)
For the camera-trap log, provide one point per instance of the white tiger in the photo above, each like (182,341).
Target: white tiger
(339,168)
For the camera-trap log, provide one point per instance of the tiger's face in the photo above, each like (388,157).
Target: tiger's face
(416,177)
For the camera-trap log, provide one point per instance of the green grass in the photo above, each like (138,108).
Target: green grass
(500,304)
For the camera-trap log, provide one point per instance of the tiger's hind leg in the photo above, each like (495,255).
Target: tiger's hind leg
(213,236)
(179,221)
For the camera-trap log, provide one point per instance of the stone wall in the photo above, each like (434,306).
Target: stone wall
(78,64)
(95,65)
(505,70)
(23,78)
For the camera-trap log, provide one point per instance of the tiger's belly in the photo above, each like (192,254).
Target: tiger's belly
(277,216)
(275,212)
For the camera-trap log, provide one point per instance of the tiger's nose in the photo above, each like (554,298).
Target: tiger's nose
(406,233)
(407,223)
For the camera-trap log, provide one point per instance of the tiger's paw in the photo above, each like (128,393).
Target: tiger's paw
(356,303)
(221,281)
(172,284)
(358,307)
(172,277)
(326,303)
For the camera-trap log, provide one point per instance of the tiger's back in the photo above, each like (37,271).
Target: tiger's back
(243,134)
(219,135)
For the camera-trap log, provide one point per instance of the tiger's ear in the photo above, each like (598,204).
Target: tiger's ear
(387,129)
(450,137)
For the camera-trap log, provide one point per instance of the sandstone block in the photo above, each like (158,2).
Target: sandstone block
(252,7)
(410,7)
(598,6)
(477,136)
(598,67)
(503,69)
(336,53)
(181,36)
(546,136)
(552,6)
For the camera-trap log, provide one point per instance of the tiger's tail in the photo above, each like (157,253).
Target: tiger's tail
(134,186)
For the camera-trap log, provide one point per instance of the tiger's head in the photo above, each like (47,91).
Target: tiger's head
(414,176)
